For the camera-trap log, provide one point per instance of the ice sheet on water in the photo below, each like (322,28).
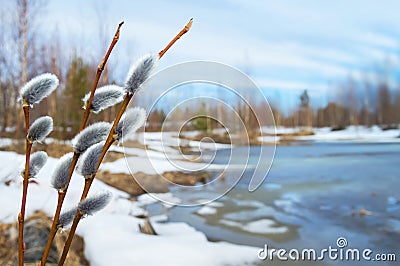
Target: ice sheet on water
(262,226)
(393,225)
(393,204)
(265,226)
(272,186)
(249,203)
(231,223)
(206,210)
(212,204)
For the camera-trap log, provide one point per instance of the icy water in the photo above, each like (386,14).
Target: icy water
(313,195)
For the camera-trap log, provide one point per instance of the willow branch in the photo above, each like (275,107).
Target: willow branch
(107,145)
(100,69)
(21,215)
(68,242)
(61,196)
(53,230)
(183,31)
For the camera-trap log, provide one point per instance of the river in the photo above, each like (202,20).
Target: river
(314,194)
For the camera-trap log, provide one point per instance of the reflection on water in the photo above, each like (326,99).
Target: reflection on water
(312,195)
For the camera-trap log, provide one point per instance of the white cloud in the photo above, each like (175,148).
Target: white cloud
(380,40)
(299,39)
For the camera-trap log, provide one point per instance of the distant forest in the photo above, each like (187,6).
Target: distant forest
(24,56)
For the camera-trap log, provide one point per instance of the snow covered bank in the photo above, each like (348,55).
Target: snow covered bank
(163,155)
(351,133)
(163,141)
(112,236)
(114,239)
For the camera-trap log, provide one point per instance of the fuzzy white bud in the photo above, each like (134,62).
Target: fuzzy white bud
(40,128)
(105,97)
(37,161)
(95,203)
(131,121)
(59,179)
(91,135)
(66,218)
(38,88)
(87,164)
(140,72)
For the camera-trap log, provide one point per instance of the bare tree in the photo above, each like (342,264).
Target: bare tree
(18,38)
(384,105)
(347,97)
(101,10)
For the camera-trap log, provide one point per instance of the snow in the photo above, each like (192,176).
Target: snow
(207,210)
(112,236)
(9,171)
(155,165)
(264,226)
(211,204)
(161,155)
(269,139)
(11,129)
(156,162)
(351,133)
(162,140)
(249,203)
(278,130)
(176,244)
(230,223)
(4,142)
(147,199)
(203,145)
(149,165)
(49,140)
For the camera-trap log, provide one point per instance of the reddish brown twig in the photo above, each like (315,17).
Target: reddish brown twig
(183,31)
(100,69)
(61,195)
(107,145)
(68,242)
(21,215)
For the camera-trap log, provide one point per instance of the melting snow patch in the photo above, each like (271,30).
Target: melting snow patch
(4,142)
(264,226)
(231,223)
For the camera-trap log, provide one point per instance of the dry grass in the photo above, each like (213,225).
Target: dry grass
(141,183)
(55,149)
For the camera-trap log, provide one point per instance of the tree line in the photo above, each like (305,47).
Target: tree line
(355,104)
(26,53)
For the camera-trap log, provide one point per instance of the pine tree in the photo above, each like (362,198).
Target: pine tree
(77,83)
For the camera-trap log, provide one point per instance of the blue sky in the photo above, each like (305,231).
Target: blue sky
(285,46)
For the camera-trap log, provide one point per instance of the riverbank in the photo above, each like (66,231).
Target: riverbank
(341,188)
(115,229)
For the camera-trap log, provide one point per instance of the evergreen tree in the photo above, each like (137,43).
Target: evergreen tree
(77,83)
